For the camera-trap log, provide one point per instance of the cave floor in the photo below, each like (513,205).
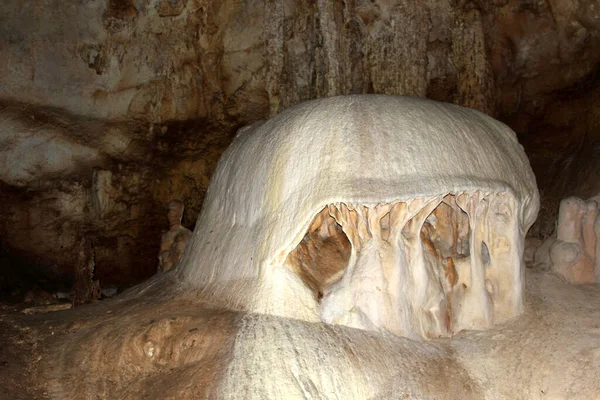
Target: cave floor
(19,353)
(151,346)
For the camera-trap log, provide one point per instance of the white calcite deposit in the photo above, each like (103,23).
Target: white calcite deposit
(382,213)
(573,251)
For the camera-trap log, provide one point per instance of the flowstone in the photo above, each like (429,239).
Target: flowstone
(414,268)
(173,242)
(376,212)
(400,217)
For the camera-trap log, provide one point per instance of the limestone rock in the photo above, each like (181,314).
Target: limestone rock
(542,259)
(531,247)
(174,241)
(64,176)
(434,234)
(573,254)
(187,59)
(86,287)
(170,8)
(159,341)
(141,89)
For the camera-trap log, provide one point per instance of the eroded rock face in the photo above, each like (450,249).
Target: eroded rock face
(163,60)
(65,177)
(407,238)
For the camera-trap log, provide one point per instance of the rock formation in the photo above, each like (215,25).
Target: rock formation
(434,202)
(153,92)
(284,266)
(86,288)
(173,242)
(573,251)
(111,108)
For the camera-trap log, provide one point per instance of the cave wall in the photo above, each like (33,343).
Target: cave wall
(111,108)
(243,60)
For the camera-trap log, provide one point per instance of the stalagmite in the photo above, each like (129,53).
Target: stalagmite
(574,251)
(173,242)
(382,213)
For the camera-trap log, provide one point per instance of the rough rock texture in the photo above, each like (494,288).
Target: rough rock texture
(564,153)
(545,58)
(164,60)
(153,91)
(66,177)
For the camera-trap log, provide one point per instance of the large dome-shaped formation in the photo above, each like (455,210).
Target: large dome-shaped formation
(378,212)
